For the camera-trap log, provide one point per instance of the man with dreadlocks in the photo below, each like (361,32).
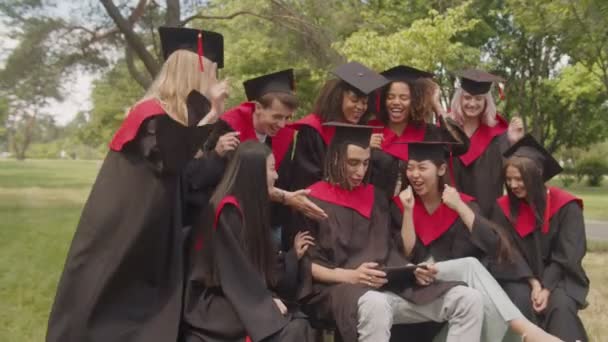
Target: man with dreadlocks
(360,280)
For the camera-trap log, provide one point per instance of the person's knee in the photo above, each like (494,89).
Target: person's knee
(466,302)
(374,308)
(560,302)
(471,263)
(520,295)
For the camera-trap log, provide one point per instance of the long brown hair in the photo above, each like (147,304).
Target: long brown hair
(421,108)
(328,104)
(536,192)
(246,179)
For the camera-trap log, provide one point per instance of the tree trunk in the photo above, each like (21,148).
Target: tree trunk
(132,39)
(172,17)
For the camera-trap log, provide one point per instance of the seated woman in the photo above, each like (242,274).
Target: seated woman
(444,226)
(234,282)
(546,226)
(353,247)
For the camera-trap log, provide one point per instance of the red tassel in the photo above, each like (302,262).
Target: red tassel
(377,102)
(545,228)
(200,51)
(501,92)
(247,339)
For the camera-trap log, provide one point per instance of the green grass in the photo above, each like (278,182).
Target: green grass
(594,198)
(40,204)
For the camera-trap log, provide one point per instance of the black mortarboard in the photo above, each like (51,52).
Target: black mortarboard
(528,147)
(477,82)
(360,77)
(440,142)
(351,134)
(281,81)
(176,38)
(405,73)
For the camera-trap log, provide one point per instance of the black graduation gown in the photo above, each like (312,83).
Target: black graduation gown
(123,278)
(456,241)
(346,240)
(555,259)
(388,167)
(482,177)
(241,305)
(308,157)
(201,186)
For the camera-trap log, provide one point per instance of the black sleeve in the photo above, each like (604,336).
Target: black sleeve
(503,142)
(200,178)
(309,155)
(569,249)
(168,145)
(482,234)
(242,285)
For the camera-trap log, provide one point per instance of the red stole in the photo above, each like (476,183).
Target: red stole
(482,137)
(130,125)
(393,143)
(526,221)
(360,199)
(314,121)
(226,200)
(430,227)
(241,120)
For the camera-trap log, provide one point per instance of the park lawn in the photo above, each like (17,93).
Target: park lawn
(595,199)
(40,203)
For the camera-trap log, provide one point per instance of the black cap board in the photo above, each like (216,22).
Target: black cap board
(440,142)
(281,81)
(351,134)
(360,77)
(477,82)
(177,38)
(405,73)
(528,147)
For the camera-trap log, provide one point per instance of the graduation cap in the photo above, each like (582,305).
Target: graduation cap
(477,82)
(360,77)
(351,134)
(281,81)
(405,73)
(528,147)
(447,139)
(204,43)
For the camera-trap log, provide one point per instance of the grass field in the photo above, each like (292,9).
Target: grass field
(40,203)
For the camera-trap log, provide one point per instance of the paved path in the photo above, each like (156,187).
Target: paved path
(596,230)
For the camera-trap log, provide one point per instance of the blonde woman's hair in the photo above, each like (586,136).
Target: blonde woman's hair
(179,75)
(488,117)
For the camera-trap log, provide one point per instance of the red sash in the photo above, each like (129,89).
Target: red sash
(430,227)
(482,137)
(226,200)
(360,199)
(393,143)
(130,125)
(314,121)
(526,220)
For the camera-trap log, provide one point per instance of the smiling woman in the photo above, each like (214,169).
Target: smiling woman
(341,100)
